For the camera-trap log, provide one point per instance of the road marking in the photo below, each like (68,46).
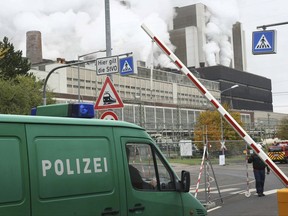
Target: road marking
(270,192)
(225,190)
(243,191)
(202,189)
(233,191)
(213,209)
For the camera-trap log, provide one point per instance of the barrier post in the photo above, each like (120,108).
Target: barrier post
(282,196)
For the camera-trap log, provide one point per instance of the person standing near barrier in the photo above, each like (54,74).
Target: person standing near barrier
(259,173)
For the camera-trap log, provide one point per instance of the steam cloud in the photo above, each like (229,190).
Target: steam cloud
(72,28)
(219,23)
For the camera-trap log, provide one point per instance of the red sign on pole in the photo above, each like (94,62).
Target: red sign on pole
(108,97)
(109,115)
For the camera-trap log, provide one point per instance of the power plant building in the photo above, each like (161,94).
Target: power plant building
(173,103)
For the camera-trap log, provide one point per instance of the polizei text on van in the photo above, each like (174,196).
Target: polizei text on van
(80,166)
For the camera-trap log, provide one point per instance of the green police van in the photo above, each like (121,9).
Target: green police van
(58,166)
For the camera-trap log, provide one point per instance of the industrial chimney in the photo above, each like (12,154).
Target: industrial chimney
(34,46)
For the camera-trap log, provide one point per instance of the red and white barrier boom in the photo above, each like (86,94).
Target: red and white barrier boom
(219,107)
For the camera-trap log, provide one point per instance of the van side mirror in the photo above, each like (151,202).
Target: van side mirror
(185,181)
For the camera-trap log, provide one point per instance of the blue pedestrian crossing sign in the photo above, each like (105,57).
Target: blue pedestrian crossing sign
(126,65)
(264,42)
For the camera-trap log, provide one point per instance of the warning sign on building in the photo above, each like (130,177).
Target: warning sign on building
(264,42)
(108,97)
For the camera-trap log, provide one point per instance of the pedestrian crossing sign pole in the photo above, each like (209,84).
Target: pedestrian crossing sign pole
(264,42)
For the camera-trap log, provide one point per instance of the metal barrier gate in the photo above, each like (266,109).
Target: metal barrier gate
(218,106)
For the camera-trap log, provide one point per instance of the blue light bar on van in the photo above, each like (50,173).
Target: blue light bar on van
(77,110)
(34,111)
(82,110)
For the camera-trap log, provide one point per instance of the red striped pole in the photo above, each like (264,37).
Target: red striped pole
(219,107)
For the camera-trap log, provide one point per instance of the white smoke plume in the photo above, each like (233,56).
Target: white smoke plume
(71,27)
(221,16)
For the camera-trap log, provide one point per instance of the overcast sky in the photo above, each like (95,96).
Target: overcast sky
(73,27)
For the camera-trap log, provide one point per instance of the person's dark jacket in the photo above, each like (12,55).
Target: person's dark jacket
(258,164)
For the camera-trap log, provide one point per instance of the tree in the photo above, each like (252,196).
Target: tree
(19,95)
(11,62)
(283,129)
(19,90)
(210,122)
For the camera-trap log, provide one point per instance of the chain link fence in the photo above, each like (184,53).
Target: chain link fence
(235,151)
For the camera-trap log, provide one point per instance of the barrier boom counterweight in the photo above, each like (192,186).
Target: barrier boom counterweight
(283,178)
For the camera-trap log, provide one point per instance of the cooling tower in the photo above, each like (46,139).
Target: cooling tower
(34,46)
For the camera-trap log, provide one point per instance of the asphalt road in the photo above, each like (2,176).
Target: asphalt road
(232,183)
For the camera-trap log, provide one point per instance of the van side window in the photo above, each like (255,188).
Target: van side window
(147,172)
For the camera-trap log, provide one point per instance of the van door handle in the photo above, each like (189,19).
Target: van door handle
(110,211)
(137,207)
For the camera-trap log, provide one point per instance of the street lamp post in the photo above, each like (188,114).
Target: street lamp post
(56,68)
(138,100)
(232,87)
(80,56)
(222,132)
(151,71)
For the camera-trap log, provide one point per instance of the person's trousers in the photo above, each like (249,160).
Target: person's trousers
(260,179)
